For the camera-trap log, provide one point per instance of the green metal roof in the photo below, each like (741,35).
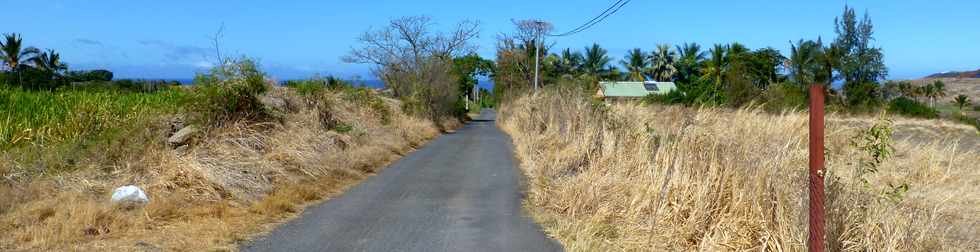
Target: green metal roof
(635,88)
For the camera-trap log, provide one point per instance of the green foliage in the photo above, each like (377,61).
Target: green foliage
(876,144)
(467,69)
(908,107)
(317,85)
(672,97)
(961,101)
(782,96)
(596,60)
(86,76)
(862,96)
(29,78)
(70,116)
(228,92)
(860,63)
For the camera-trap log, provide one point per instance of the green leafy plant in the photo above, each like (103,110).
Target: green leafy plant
(876,143)
(877,146)
(229,92)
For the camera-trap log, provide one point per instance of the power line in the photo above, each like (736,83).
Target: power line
(590,21)
(598,19)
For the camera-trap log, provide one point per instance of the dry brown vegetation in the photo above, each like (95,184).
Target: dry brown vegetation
(237,181)
(629,177)
(956,86)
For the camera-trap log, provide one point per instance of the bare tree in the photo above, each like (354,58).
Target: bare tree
(414,60)
(517,52)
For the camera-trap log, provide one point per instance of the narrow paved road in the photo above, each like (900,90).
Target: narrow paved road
(461,192)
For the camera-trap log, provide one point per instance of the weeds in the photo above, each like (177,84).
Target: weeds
(230,92)
(712,179)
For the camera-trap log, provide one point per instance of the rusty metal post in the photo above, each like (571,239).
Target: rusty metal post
(816,241)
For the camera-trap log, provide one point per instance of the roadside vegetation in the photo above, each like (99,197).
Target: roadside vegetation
(257,155)
(720,164)
(632,177)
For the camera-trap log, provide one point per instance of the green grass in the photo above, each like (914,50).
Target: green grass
(43,118)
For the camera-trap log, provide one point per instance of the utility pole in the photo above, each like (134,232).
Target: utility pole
(537,52)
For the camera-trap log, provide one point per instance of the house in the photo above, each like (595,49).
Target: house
(617,90)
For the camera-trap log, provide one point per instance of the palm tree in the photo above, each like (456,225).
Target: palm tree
(961,101)
(906,89)
(688,62)
(636,64)
(569,63)
(939,91)
(802,62)
(715,66)
(49,61)
(927,91)
(12,53)
(662,63)
(828,58)
(596,60)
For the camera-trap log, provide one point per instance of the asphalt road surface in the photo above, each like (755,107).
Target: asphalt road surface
(461,192)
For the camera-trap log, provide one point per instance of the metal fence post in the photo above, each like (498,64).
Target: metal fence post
(816,240)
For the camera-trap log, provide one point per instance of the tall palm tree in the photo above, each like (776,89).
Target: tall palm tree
(939,91)
(662,63)
(829,58)
(596,60)
(737,49)
(906,89)
(49,61)
(715,66)
(12,52)
(636,64)
(961,101)
(569,63)
(690,51)
(927,91)
(688,62)
(803,60)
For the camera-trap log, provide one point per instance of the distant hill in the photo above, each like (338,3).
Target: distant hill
(955,86)
(967,74)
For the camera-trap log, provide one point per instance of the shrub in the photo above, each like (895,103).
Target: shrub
(317,85)
(229,92)
(785,96)
(672,97)
(909,107)
(33,79)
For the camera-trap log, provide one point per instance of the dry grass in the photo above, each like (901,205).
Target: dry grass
(240,180)
(636,178)
(956,86)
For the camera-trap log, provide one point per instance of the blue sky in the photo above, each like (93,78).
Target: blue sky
(169,39)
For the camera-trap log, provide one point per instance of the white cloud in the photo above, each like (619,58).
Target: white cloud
(203,64)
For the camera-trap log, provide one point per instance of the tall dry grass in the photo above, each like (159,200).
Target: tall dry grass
(634,178)
(238,180)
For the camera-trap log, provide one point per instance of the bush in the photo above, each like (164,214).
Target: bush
(316,85)
(909,107)
(784,96)
(229,92)
(672,97)
(32,79)
(864,96)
